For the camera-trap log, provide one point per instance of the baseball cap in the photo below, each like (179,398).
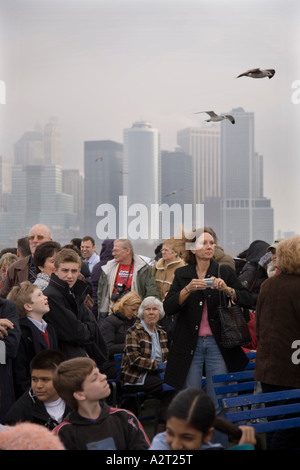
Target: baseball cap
(274,244)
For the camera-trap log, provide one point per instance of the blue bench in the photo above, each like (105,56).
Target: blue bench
(256,409)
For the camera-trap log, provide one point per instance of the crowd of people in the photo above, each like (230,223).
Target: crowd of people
(65,311)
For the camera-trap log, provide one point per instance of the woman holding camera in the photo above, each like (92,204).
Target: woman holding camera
(195,349)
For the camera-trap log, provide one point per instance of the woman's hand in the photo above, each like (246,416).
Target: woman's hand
(196,284)
(221,285)
(248,435)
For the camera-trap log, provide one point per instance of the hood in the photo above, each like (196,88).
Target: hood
(256,250)
(106,250)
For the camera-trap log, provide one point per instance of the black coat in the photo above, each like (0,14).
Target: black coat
(28,408)
(77,331)
(11,342)
(189,317)
(31,343)
(114,328)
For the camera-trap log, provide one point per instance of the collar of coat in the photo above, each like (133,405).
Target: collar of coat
(161,266)
(80,288)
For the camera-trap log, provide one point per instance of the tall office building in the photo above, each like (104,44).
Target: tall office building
(103,185)
(52,143)
(73,183)
(246,215)
(176,185)
(203,143)
(5,181)
(142,175)
(29,149)
(37,197)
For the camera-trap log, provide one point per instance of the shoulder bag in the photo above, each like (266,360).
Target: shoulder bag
(234,328)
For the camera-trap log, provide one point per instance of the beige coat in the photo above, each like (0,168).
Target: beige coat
(164,274)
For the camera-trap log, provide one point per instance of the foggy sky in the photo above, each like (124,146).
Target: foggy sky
(100,65)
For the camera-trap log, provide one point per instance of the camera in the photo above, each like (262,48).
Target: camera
(120,292)
(210,282)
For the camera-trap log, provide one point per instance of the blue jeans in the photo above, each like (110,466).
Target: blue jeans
(207,353)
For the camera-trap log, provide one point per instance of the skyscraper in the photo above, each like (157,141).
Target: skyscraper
(176,184)
(203,143)
(37,197)
(102,186)
(141,168)
(52,143)
(142,176)
(246,215)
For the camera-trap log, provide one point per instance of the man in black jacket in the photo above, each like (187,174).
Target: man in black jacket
(40,404)
(77,331)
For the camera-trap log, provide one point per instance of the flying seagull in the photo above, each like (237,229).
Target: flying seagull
(258,73)
(217,117)
(98,158)
(171,193)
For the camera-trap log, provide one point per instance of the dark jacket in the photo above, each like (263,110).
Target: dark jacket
(31,343)
(29,408)
(115,429)
(105,256)
(188,321)
(277,328)
(114,328)
(77,331)
(11,342)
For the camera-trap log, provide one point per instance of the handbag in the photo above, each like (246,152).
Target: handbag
(234,328)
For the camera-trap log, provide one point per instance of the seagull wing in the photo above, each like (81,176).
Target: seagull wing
(248,71)
(211,113)
(231,118)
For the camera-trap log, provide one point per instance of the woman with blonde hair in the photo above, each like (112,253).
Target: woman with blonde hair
(115,326)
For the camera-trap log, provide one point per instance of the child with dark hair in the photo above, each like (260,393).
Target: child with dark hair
(191,422)
(41,403)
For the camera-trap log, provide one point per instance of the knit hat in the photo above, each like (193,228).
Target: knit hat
(29,436)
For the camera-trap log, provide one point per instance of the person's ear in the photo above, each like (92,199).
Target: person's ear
(28,308)
(208,435)
(79,396)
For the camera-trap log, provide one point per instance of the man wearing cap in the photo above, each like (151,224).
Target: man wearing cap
(273,269)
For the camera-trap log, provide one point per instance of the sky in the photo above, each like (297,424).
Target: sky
(100,65)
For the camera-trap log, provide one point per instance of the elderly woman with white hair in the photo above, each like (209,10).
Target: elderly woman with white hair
(146,346)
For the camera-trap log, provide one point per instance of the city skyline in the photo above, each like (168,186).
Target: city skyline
(100,66)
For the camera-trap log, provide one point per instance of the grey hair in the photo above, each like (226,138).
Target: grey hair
(151,300)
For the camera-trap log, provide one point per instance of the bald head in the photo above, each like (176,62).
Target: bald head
(38,234)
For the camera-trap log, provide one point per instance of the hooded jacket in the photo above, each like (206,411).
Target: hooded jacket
(115,429)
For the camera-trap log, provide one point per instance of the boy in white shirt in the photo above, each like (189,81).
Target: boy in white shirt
(40,404)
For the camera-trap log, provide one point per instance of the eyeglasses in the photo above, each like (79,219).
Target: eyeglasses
(39,237)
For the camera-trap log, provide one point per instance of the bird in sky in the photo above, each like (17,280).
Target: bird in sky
(99,158)
(258,73)
(171,193)
(217,117)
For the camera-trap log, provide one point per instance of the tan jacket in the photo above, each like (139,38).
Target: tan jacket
(164,274)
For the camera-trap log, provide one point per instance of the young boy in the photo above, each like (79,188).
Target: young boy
(36,334)
(41,403)
(77,331)
(93,425)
